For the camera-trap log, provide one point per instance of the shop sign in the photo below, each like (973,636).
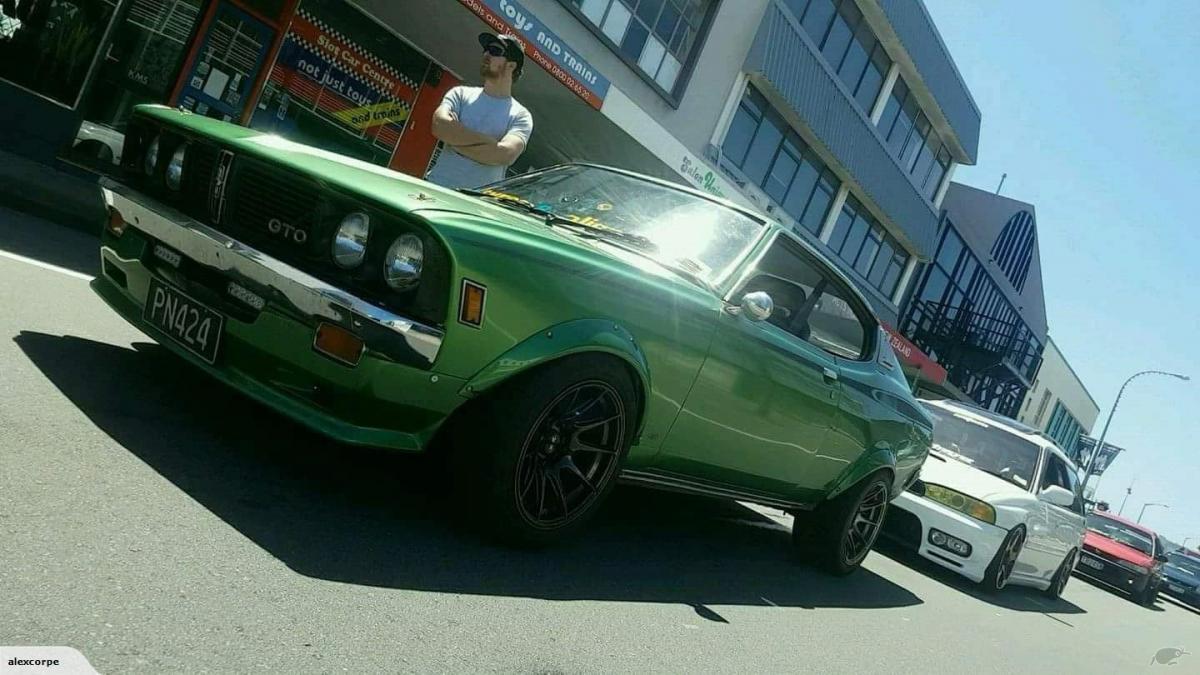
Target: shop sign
(912,356)
(543,47)
(701,176)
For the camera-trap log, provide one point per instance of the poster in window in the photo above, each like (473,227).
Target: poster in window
(341,82)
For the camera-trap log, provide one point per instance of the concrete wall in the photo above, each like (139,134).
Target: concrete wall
(1057,377)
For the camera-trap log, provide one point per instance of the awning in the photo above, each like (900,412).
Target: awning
(914,360)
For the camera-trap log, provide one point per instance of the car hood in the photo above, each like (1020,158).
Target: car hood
(1180,575)
(970,481)
(1116,549)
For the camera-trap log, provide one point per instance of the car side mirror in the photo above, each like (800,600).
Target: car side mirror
(757,306)
(1161,558)
(1058,496)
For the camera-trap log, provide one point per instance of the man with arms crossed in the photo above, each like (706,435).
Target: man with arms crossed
(484,129)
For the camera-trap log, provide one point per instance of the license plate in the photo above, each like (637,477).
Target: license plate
(1176,589)
(1094,564)
(189,323)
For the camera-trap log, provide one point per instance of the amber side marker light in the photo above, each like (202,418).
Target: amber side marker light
(338,344)
(116,223)
(471,306)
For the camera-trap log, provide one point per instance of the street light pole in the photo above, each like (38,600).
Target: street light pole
(1186,540)
(1143,511)
(1100,443)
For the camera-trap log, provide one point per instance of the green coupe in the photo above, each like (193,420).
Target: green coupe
(553,333)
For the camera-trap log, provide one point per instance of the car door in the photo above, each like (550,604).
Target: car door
(1054,524)
(759,413)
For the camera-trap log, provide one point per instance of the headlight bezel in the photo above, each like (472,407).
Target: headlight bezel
(358,253)
(963,503)
(178,155)
(416,267)
(150,157)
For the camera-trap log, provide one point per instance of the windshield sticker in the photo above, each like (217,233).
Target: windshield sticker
(952,454)
(973,421)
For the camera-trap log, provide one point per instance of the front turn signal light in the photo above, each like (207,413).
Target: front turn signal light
(471,306)
(116,223)
(338,344)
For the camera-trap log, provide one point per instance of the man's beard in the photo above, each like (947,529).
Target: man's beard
(490,73)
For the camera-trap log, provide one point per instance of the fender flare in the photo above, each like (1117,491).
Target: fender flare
(870,462)
(579,336)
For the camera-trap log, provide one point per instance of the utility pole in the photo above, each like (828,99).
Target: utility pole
(1128,491)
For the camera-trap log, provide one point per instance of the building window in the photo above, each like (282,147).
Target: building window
(1013,250)
(1063,427)
(848,44)
(874,254)
(656,35)
(49,46)
(764,149)
(911,138)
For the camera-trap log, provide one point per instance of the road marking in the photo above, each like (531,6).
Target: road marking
(45,266)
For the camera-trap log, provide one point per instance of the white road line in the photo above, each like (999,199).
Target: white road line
(45,266)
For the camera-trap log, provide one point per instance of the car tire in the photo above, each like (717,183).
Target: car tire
(1000,570)
(1146,597)
(534,460)
(839,534)
(1062,576)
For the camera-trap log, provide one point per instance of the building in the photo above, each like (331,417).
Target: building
(1059,404)
(841,118)
(978,308)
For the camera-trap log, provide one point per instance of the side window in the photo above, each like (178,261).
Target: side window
(809,303)
(1058,473)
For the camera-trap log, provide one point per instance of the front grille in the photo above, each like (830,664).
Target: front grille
(904,527)
(274,205)
(197,179)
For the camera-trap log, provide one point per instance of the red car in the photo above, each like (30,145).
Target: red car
(1124,555)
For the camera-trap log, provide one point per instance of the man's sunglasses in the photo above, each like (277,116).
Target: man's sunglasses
(494,50)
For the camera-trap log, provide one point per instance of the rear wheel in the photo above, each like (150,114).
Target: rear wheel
(535,460)
(1062,576)
(1002,566)
(839,534)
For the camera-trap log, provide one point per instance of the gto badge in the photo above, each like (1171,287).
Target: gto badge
(216,194)
(287,230)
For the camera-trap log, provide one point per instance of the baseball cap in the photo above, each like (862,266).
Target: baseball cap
(513,49)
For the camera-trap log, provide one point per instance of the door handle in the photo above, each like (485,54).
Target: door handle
(830,374)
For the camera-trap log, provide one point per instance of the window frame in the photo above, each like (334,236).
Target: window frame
(684,77)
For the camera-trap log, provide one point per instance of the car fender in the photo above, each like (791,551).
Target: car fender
(572,337)
(880,457)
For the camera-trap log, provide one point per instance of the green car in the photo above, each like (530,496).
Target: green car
(553,333)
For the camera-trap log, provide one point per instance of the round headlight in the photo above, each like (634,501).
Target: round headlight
(350,240)
(150,163)
(402,266)
(175,168)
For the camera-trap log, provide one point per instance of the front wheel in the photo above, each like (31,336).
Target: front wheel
(539,455)
(1002,566)
(839,534)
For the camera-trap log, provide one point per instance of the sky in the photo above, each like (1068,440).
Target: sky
(1092,109)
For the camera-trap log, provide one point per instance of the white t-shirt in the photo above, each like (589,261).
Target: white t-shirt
(494,117)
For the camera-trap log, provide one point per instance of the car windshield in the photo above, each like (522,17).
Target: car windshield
(984,446)
(694,235)
(1118,531)
(1185,562)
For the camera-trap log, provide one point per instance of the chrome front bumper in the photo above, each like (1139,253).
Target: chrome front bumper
(295,290)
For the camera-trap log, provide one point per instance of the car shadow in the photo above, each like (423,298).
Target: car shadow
(33,237)
(376,518)
(1017,598)
(1163,597)
(1096,583)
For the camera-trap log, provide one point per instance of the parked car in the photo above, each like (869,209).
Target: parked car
(1123,555)
(996,502)
(552,333)
(1181,577)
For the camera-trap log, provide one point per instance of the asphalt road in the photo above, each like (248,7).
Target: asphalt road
(157,521)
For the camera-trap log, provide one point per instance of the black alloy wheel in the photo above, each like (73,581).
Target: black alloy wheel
(1002,566)
(533,459)
(864,527)
(572,450)
(1059,583)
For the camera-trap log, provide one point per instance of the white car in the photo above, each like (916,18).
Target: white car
(996,502)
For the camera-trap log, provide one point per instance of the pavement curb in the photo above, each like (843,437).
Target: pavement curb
(62,194)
